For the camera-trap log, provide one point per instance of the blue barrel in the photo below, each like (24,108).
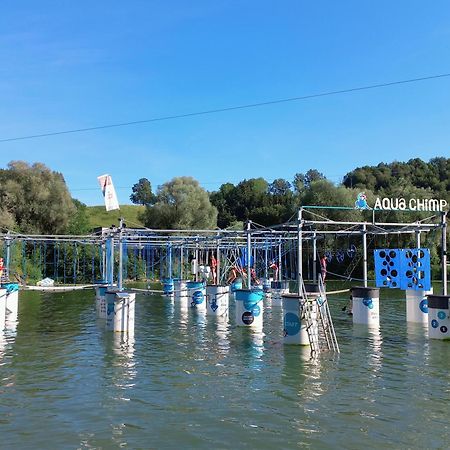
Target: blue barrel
(249,307)
(168,286)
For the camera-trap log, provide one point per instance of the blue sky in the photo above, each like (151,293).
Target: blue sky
(67,64)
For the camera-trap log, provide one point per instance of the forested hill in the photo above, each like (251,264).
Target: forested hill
(434,175)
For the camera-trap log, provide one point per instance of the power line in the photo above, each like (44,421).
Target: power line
(229,108)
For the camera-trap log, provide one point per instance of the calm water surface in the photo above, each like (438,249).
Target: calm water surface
(187,381)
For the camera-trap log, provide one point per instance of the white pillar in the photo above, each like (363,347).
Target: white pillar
(197,295)
(439,317)
(417,306)
(120,312)
(218,300)
(249,308)
(366,306)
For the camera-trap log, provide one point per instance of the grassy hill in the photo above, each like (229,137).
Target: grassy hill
(99,217)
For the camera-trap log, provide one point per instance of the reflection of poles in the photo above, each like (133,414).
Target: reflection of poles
(444,253)
(181,262)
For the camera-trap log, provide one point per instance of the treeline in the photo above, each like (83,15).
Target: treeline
(35,199)
(177,203)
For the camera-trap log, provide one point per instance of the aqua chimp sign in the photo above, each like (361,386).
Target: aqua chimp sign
(401,204)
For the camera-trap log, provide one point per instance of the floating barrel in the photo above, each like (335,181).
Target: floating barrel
(438,316)
(249,308)
(197,294)
(167,285)
(366,306)
(218,300)
(2,309)
(12,303)
(417,306)
(120,311)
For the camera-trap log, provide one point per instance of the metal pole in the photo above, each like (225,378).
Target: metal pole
(8,254)
(196,259)
(444,253)
(314,257)
(299,253)
(218,264)
(249,253)
(418,238)
(280,276)
(266,273)
(111,261)
(169,263)
(365,254)
(120,275)
(181,262)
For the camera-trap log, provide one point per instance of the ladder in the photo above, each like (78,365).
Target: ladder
(309,317)
(326,321)
(319,324)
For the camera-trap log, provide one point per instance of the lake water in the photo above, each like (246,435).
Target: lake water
(186,381)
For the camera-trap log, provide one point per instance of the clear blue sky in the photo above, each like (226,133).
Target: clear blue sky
(71,64)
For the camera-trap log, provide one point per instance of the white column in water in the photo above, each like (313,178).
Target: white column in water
(444,253)
(314,257)
(249,252)
(120,274)
(365,254)
(299,252)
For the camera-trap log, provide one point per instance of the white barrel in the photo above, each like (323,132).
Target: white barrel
(100,300)
(439,317)
(295,322)
(12,303)
(366,306)
(417,306)
(249,308)
(180,289)
(217,300)
(120,311)
(292,320)
(2,309)
(197,295)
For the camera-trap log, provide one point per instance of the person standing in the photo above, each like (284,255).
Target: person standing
(323,267)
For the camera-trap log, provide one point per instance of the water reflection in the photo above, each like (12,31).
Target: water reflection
(120,348)
(373,338)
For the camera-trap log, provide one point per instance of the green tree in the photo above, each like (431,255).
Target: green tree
(142,193)
(36,197)
(79,222)
(181,204)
